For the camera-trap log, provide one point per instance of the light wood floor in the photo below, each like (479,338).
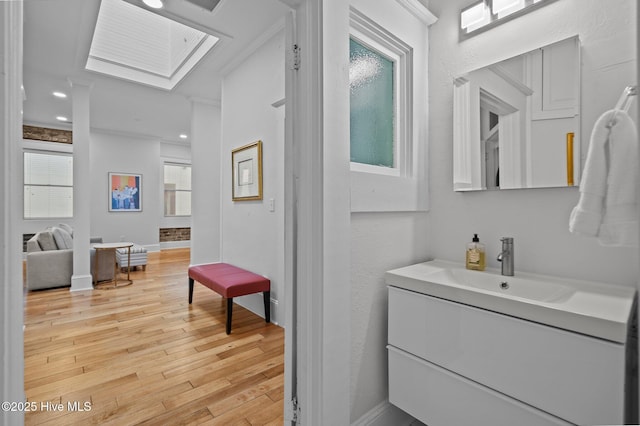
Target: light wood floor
(142,355)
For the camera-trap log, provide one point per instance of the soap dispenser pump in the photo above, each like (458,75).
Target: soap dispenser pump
(475,254)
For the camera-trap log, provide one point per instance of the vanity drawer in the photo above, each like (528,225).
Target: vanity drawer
(438,397)
(572,376)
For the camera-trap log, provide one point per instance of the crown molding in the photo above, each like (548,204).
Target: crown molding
(418,10)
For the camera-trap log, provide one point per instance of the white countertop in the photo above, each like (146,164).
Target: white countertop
(595,309)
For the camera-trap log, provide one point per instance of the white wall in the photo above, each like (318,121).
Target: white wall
(253,236)
(150,156)
(205,183)
(125,154)
(379,242)
(537,218)
(384,241)
(175,151)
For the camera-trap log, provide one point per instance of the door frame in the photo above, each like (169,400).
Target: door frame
(320,293)
(11,311)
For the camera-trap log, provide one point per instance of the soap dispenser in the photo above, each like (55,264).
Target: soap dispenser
(475,254)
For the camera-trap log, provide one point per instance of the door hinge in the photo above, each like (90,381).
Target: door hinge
(294,411)
(296,57)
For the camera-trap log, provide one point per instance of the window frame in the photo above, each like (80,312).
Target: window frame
(372,36)
(26,151)
(164,190)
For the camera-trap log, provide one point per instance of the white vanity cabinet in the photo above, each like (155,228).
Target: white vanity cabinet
(454,364)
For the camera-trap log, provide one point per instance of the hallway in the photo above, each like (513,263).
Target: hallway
(141,355)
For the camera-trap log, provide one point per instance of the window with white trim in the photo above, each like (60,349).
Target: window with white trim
(380,100)
(177,189)
(48,185)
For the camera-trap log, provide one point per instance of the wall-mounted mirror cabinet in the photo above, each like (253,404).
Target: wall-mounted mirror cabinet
(516,123)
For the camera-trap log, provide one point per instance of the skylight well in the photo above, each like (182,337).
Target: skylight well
(135,44)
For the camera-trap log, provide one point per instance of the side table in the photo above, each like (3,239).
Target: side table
(112,247)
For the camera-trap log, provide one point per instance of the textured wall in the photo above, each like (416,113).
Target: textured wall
(538,219)
(45,134)
(379,242)
(175,234)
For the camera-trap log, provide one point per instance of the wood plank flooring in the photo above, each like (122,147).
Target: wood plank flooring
(141,354)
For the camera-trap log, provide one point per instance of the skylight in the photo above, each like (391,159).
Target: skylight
(132,43)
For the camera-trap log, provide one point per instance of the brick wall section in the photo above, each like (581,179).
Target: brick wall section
(175,234)
(45,134)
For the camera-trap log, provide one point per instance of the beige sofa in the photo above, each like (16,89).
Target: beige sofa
(50,259)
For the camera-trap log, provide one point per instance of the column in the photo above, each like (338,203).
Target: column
(81,278)
(11,291)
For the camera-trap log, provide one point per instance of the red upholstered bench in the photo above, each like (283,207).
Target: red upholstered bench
(230,281)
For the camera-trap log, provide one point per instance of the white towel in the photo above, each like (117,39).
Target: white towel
(608,206)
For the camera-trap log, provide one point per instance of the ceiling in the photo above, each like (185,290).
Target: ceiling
(57,38)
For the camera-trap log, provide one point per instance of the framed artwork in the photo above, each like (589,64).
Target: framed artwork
(246,170)
(125,192)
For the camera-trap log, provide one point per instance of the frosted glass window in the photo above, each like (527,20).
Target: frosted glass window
(48,185)
(371,79)
(177,190)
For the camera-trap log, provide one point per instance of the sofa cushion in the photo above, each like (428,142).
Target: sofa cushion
(46,241)
(67,228)
(62,238)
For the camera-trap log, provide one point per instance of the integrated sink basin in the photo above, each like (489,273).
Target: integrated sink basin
(526,288)
(595,309)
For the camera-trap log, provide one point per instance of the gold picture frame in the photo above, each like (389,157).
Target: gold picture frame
(246,172)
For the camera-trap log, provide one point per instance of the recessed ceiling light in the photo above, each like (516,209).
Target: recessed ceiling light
(60,95)
(154,4)
(62,118)
(183,136)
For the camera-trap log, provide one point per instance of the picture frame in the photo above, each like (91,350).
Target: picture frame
(246,172)
(125,192)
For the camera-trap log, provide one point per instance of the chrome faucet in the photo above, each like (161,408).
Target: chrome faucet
(506,256)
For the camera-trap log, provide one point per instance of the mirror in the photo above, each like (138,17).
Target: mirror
(516,123)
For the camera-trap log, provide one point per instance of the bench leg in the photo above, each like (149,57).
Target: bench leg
(266,295)
(229,313)
(190,290)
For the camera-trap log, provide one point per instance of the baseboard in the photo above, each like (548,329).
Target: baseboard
(384,414)
(274,312)
(255,303)
(152,247)
(175,244)
(81,282)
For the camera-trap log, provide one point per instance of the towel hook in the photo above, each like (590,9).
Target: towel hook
(627,96)
(624,103)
